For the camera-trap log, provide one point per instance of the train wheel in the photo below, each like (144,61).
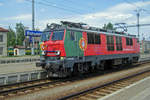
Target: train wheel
(77,69)
(86,68)
(102,65)
(124,61)
(81,68)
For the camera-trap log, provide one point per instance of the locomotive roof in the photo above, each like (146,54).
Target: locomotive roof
(93,31)
(78,27)
(101,32)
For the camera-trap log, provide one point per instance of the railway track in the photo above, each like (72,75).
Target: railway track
(37,85)
(28,87)
(100,91)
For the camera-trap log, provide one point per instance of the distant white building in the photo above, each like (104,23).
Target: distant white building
(145,46)
(3,41)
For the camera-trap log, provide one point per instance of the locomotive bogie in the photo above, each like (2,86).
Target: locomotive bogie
(70,66)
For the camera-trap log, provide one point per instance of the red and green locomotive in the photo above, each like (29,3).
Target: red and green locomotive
(72,48)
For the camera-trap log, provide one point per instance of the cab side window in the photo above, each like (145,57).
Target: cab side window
(93,38)
(72,35)
(129,41)
(118,43)
(110,43)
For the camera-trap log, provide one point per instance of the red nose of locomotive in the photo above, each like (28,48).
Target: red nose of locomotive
(53,48)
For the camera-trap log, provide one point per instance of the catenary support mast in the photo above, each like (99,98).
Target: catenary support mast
(33,22)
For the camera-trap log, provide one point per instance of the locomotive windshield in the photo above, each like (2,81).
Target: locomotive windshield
(58,35)
(45,36)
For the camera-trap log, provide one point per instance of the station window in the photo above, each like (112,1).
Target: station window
(110,43)
(1,38)
(1,50)
(129,41)
(118,43)
(93,38)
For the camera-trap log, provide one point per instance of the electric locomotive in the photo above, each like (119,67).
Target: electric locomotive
(72,48)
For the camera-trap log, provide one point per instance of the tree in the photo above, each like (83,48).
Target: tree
(11,38)
(20,33)
(108,26)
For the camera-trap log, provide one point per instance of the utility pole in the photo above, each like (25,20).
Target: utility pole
(138,21)
(138,25)
(33,19)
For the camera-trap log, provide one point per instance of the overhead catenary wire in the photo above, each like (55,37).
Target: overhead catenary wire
(139,9)
(77,3)
(77,13)
(133,4)
(63,5)
(136,6)
(55,6)
(147,11)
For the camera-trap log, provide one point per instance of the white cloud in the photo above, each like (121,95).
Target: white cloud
(141,4)
(20,17)
(123,12)
(145,20)
(1,4)
(125,7)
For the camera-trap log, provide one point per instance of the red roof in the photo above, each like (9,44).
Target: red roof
(3,30)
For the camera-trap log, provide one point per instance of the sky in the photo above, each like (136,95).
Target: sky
(93,12)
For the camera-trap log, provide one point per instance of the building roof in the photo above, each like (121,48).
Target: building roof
(20,47)
(3,30)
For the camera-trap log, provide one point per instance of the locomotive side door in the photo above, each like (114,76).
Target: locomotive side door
(71,43)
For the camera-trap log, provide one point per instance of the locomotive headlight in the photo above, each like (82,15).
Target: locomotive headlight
(61,58)
(57,52)
(43,53)
(42,47)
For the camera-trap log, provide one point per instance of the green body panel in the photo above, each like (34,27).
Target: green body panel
(72,46)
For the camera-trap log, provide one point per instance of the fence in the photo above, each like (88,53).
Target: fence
(10,51)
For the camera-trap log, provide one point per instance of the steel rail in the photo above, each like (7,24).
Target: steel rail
(101,86)
(5,92)
(26,87)
(19,83)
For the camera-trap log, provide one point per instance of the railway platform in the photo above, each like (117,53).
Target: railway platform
(18,64)
(21,59)
(18,67)
(18,72)
(144,55)
(137,91)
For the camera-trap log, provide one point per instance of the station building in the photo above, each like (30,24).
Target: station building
(3,41)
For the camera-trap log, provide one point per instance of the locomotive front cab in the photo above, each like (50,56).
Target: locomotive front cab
(52,44)
(52,51)
(55,47)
